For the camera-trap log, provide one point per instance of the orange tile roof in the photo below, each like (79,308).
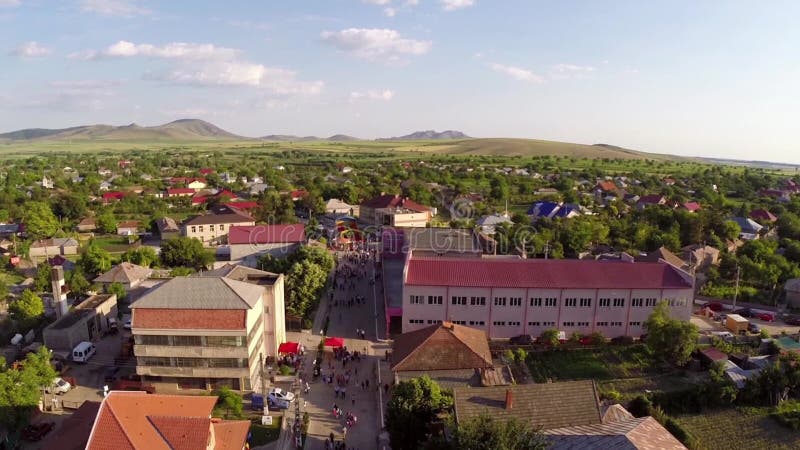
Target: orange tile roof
(441,347)
(230,434)
(137,420)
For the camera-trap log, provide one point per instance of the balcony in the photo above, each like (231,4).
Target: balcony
(193,372)
(190,352)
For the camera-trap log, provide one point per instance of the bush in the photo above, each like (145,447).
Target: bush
(640,406)
(520,355)
(308,323)
(508,355)
(622,340)
(284,369)
(612,395)
(788,414)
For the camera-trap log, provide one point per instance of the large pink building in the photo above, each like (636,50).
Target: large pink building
(509,297)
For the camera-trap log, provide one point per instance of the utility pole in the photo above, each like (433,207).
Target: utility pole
(736,292)
(263,385)
(546,249)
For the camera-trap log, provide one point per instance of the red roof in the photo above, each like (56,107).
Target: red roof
(542,273)
(691,206)
(266,234)
(289,347)
(652,199)
(193,319)
(196,200)
(298,194)
(115,195)
(226,193)
(334,342)
(206,171)
(187,180)
(607,186)
(179,191)
(242,205)
(394,201)
(763,214)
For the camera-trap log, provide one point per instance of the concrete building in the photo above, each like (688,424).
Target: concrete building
(248,243)
(85,322)
(167,228)
(395,211)
(53,247)
(509,297)
(209,331)
(211,229)
(86,225)
(128,228)
(335,207)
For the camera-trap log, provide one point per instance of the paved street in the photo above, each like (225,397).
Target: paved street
(346,316)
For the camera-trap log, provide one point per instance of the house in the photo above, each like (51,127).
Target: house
(606,186)
(336,207)
(510,297)
(650,200)
(763,216)
(54,246)
(47,183)
(180,192)
(749,228)
(206,171)
(643,433)
(242,205)
(298,194)
(452,242)
(662,253)
(85,322)
(779,194)
(110,197)
(86,225)
(701,257)
(138,420)
(208,331)
(196,183)
(128,228)
(711,355)
(257,188)
(127,274)
(105,185)
(792,289)
(546,191)
(395,211)
(213,228)
(490,222)
(451,354)
(248,243)
(552,210)
(167,227)
(690,206)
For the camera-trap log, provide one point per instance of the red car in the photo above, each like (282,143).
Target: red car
(714,306)
(766,317)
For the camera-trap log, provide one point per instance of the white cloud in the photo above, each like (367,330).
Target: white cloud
(122,8)
(372,94)
(412,2)
(570,71)
(389,12)
(452,5)
(375,44)
(232,73)
(377,2)
(173,50)
(31,49)
(517,73)
(9,3)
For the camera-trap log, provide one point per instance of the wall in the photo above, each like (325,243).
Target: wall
(209,235)
(252,252)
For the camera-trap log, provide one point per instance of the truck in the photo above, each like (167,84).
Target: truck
(736,324)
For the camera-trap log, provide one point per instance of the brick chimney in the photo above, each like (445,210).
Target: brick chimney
(509,399)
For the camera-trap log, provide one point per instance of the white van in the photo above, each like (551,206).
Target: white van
(83,351)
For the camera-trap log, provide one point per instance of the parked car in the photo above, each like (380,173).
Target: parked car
(83,352)
(792,320)
(127,324)
(35,432)
(753,328)
(277,403)
(280,394)
(110,374)
(59,386)
(714,306)
(522,339)
(745,312)
(766,317)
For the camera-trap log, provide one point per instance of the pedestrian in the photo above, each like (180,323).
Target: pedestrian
(354,402)
(344,391)
(336,391)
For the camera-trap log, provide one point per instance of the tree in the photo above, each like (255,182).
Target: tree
(70,206)
(42,282)
(412,406)
(304,281)
(117,289)
(94,260)
(78,284)
(185,252)
(549,337)
(674,340)
(106,223)
(486,433)
(143,256)
(20,388)
(40,222)
(27,309)
(230,401)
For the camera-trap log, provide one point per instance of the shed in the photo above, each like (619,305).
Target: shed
(736,324)
(711,355)
(85,322)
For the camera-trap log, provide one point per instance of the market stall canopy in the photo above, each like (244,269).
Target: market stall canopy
(289,348)
(334,342)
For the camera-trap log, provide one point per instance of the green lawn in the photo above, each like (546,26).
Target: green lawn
(112,243)
(608,362)
(746,428)
(264,434)
(10,278)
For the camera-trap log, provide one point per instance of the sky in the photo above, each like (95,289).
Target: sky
(705,78)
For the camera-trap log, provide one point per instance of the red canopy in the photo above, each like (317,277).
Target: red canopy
(334,342)
(289,347)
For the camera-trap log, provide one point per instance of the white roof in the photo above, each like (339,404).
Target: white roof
(737,318)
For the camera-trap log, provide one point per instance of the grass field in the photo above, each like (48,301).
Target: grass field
(604,363)
(745,428)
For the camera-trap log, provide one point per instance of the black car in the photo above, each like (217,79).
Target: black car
(522,339)
(745,312)
(110,373)
(792,320)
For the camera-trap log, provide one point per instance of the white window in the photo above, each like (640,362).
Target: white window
(515,301)
(417,299)
(420,321)
(570,302)
(211,227)
(499,323)
(434,299)
(551,301)
(586,302)
(513,324)
(201,228)
(635,324)
(534,324)
(583,324)
(602,324)
(477,301)
(650,302)
(567,324)
(619,302)
(548,324)
(458,300)
(431,322)
(222,227)
(616,324)
(460,322)
(499,301)
(536,301)
(637,302)
(477,322)
(604,302)
(194,229)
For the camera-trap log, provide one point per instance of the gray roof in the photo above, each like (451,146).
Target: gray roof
(492,220)
(633,434)
(167,224)
(749,226)
(124,272)
(441,240)
(201,293)
(242,273)
(55,242)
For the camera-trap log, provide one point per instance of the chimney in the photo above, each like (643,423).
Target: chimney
(509,399)
(448,325)
(59,296)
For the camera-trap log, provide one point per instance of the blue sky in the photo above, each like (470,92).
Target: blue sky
(710,78)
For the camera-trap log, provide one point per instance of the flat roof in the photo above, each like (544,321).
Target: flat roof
(71,319)
(737,318)
(94,301)
(393,281)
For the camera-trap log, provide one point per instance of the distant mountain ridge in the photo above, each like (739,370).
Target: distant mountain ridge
(182,129)
(428,135)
